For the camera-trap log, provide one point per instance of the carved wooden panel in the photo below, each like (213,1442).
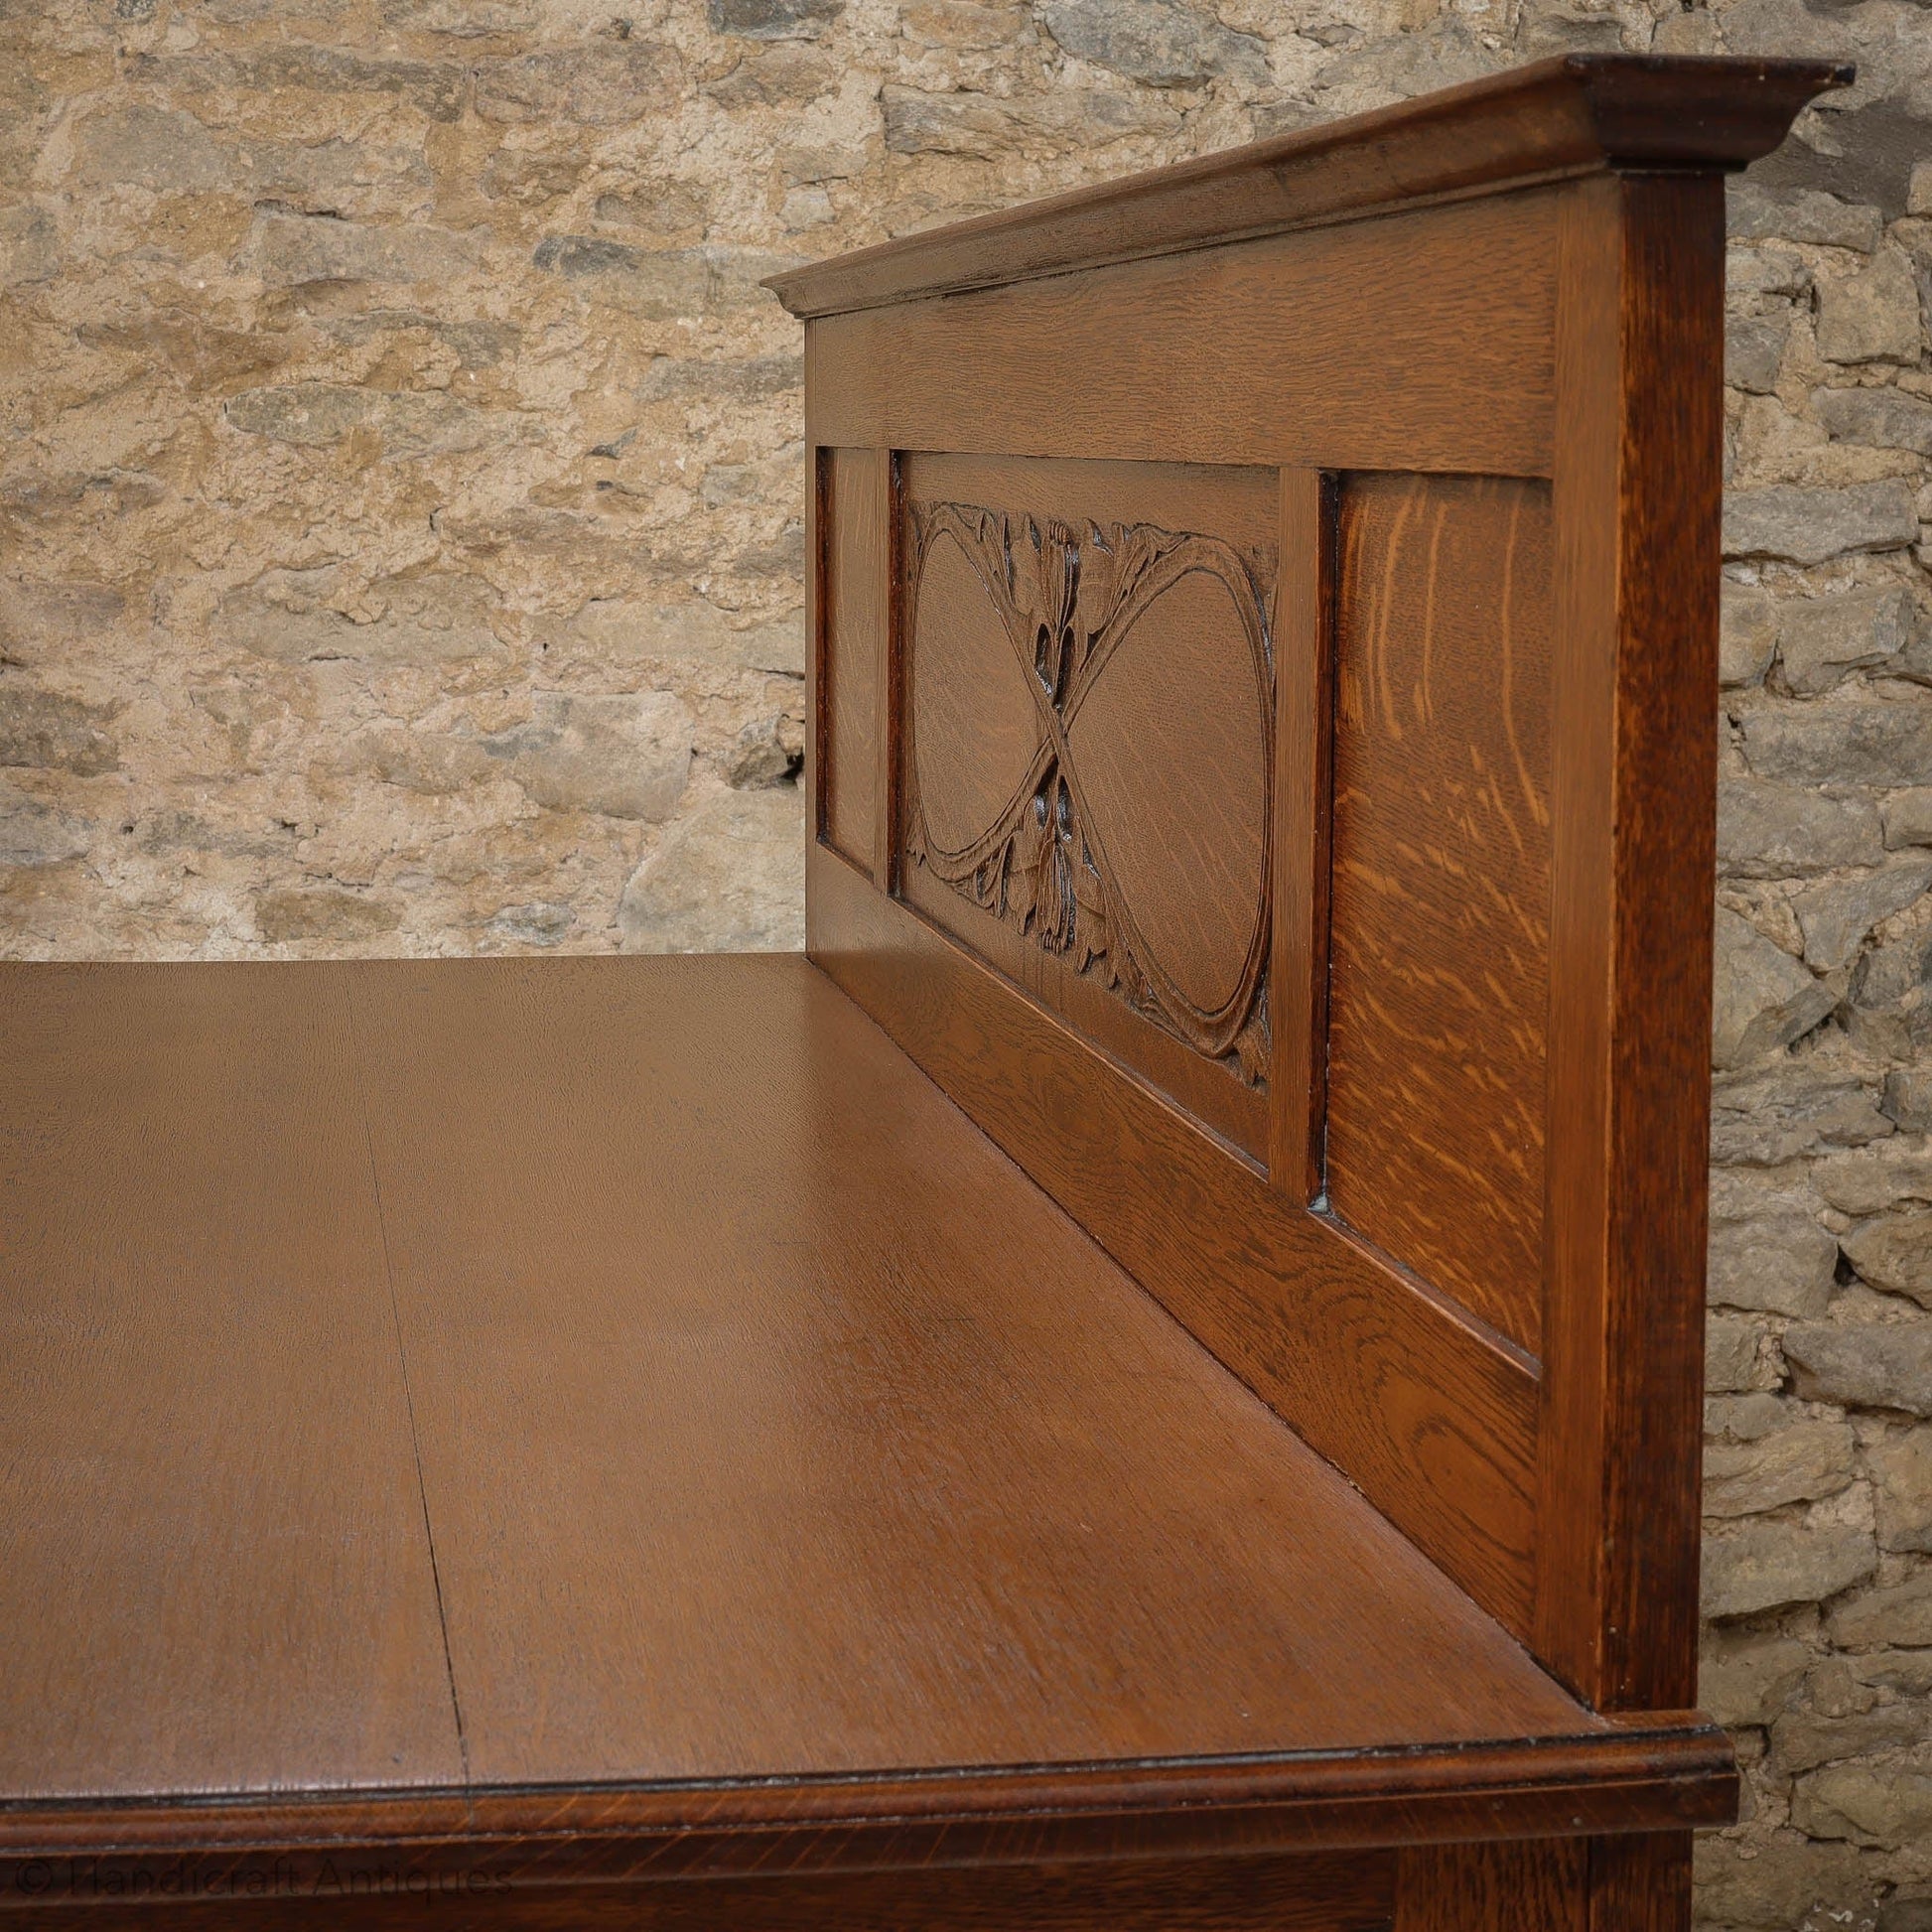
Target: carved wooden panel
(1088,750)
(856,516)
(1439,965)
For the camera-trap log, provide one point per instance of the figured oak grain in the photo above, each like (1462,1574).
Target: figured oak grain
(1439,883)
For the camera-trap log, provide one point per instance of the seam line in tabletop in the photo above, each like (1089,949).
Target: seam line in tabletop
(402,1363)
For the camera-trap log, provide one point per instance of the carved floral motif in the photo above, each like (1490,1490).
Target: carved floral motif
(1066,596)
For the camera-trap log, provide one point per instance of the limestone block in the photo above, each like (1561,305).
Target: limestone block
(1762,999)
(1872,316)
(537,922)
(1884,418)
(1773,831)
(1801,1742)
(1785,1882)
(1165,43)
(1821,638)
(1888,1805)
(29,246)
(165,148)
(627,755)
(1747,633)
(324,913)
(1894,1252)
(771,19)
(1764,1115)
(1764,1562)
(1907,816)
(662,284)
(44,728)
(1767,1252)
(1908,1098)
(291,65)
(1806,1462)
(297,616)
(1897,1613)
(286,250)
(1765,271)
(1901,1468)
(730,875)
(37,834)
(601,85)
(1836,918)
(1747,1677)
(1734,1357)
(1755,348)
(1871,1365)
(1807,525)
(1850,743)
(1754,212)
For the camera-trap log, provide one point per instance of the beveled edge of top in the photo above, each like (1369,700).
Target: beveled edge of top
(1574,115)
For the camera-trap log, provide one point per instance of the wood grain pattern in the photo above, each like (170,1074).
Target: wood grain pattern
(1365,348)
(1431,1416)
(854,666)
(213,1570)
(1535,1886)
(1615,1778)
(1439,961)
(834,1446)
(1640,1884)
(1636,498)
(1576,113)
(398,1894)
(1090,738)
(1303,800)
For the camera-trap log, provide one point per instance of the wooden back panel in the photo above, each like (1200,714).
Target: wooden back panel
(1263,676)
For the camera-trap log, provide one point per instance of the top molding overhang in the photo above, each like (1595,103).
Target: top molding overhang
(1575,115)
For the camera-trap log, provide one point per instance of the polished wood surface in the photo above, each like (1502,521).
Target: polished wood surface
(213,1571)
(1369,346)
(1575,114)
(1431,1414)
(742,1437)
(1440,944)
(1637,502)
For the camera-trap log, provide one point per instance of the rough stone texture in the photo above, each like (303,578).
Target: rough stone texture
(401,551)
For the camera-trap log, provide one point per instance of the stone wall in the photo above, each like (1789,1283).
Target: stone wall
(401,551)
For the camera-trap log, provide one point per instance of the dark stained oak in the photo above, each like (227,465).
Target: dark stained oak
(1531,1885)
(1440,942)
(1637,504)
(213,1574)
(390,1893)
